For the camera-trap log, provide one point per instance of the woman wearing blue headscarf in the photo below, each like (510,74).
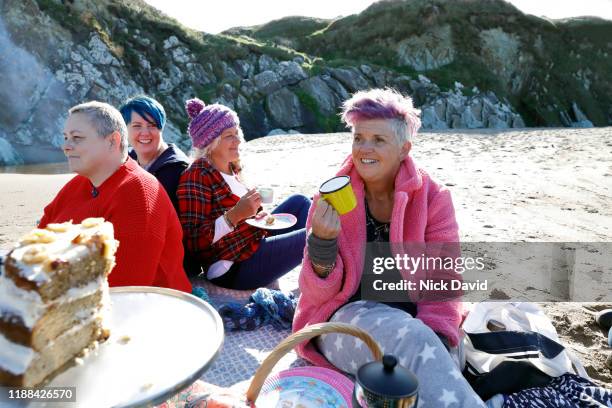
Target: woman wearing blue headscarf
(145,119)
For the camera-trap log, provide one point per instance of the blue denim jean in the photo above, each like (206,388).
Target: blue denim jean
(278,253)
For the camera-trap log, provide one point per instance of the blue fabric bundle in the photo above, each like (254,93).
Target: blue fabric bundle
(264,306)
(200,292)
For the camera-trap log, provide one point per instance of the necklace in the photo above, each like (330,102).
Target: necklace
(380,230)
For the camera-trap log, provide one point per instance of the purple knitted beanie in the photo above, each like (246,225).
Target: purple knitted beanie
(208,121)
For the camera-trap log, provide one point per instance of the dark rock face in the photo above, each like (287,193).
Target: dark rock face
(464,68)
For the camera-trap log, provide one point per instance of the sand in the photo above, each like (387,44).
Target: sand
(22,200)
(550,185)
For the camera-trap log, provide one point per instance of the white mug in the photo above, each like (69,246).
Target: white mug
(267,195)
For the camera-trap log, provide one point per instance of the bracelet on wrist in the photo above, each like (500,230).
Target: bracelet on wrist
(227,221)
(327,269)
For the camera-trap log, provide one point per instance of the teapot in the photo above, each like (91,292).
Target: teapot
(385,384)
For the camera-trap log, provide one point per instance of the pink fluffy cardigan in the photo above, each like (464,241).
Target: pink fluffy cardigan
(422,212)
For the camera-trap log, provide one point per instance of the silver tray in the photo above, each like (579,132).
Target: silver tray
(162,340)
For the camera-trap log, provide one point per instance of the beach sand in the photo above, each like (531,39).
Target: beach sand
(530,185)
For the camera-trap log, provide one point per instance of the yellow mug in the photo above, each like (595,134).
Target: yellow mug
(339,193)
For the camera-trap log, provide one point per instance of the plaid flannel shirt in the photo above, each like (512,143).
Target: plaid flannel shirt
(203,196)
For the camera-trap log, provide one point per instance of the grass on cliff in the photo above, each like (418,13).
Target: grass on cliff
(293,27)
(371,38)
(326,123)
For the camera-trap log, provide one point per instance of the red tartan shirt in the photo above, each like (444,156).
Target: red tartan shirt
(203,196)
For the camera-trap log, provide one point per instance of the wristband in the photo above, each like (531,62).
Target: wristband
(322,251)
(327,269)
(227,221)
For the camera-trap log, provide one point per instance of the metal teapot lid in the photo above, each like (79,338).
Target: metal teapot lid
(387,378)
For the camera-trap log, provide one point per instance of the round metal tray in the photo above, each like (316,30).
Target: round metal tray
(161,341)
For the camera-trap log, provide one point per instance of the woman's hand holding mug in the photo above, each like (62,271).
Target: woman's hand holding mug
(325,221)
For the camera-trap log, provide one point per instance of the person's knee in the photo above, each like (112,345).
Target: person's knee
(412,327)
(298,199)
(422,332)
(304,199)
(299,203)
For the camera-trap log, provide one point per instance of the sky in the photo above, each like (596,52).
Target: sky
(216,16)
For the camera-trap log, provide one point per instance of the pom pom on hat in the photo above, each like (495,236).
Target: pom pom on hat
(207,122)
(194,107)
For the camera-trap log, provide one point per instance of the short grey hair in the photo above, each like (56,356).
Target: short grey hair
(105,119)
(400,128)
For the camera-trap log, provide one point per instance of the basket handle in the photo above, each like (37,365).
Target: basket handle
(296,338)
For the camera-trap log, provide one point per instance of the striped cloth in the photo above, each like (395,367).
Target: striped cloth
(566,391)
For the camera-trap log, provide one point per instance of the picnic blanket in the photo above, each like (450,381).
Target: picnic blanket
(243,351)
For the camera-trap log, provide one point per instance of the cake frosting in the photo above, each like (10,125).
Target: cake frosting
(14,357)
(53,297)
(57,242)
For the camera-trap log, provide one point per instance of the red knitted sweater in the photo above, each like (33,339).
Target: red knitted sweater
(150,249)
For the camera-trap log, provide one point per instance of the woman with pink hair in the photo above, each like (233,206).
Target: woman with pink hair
(397,203)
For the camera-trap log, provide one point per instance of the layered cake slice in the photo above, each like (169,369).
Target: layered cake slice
(53,293)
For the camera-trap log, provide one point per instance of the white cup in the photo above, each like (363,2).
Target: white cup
(267,195)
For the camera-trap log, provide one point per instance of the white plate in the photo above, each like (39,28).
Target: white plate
(173,338)
(281,221)
(306,387)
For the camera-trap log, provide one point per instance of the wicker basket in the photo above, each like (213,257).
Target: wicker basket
(296,338)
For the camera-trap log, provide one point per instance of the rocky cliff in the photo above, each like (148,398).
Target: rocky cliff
(467,64)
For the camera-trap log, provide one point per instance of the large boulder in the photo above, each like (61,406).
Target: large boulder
(472,115)
(247,88)
(227,72)
(456,111)
(327,100)
(171,42)
(195,73)
(267,63)
(431,120)
(255,120)
(284,109)
(267,82)
(496,122)
(455,106)
(290,72)
(244,68)
(336,86)
(468,120)
(350,78)
(182,55)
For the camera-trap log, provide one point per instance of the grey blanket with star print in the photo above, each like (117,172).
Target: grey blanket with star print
(415,345)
